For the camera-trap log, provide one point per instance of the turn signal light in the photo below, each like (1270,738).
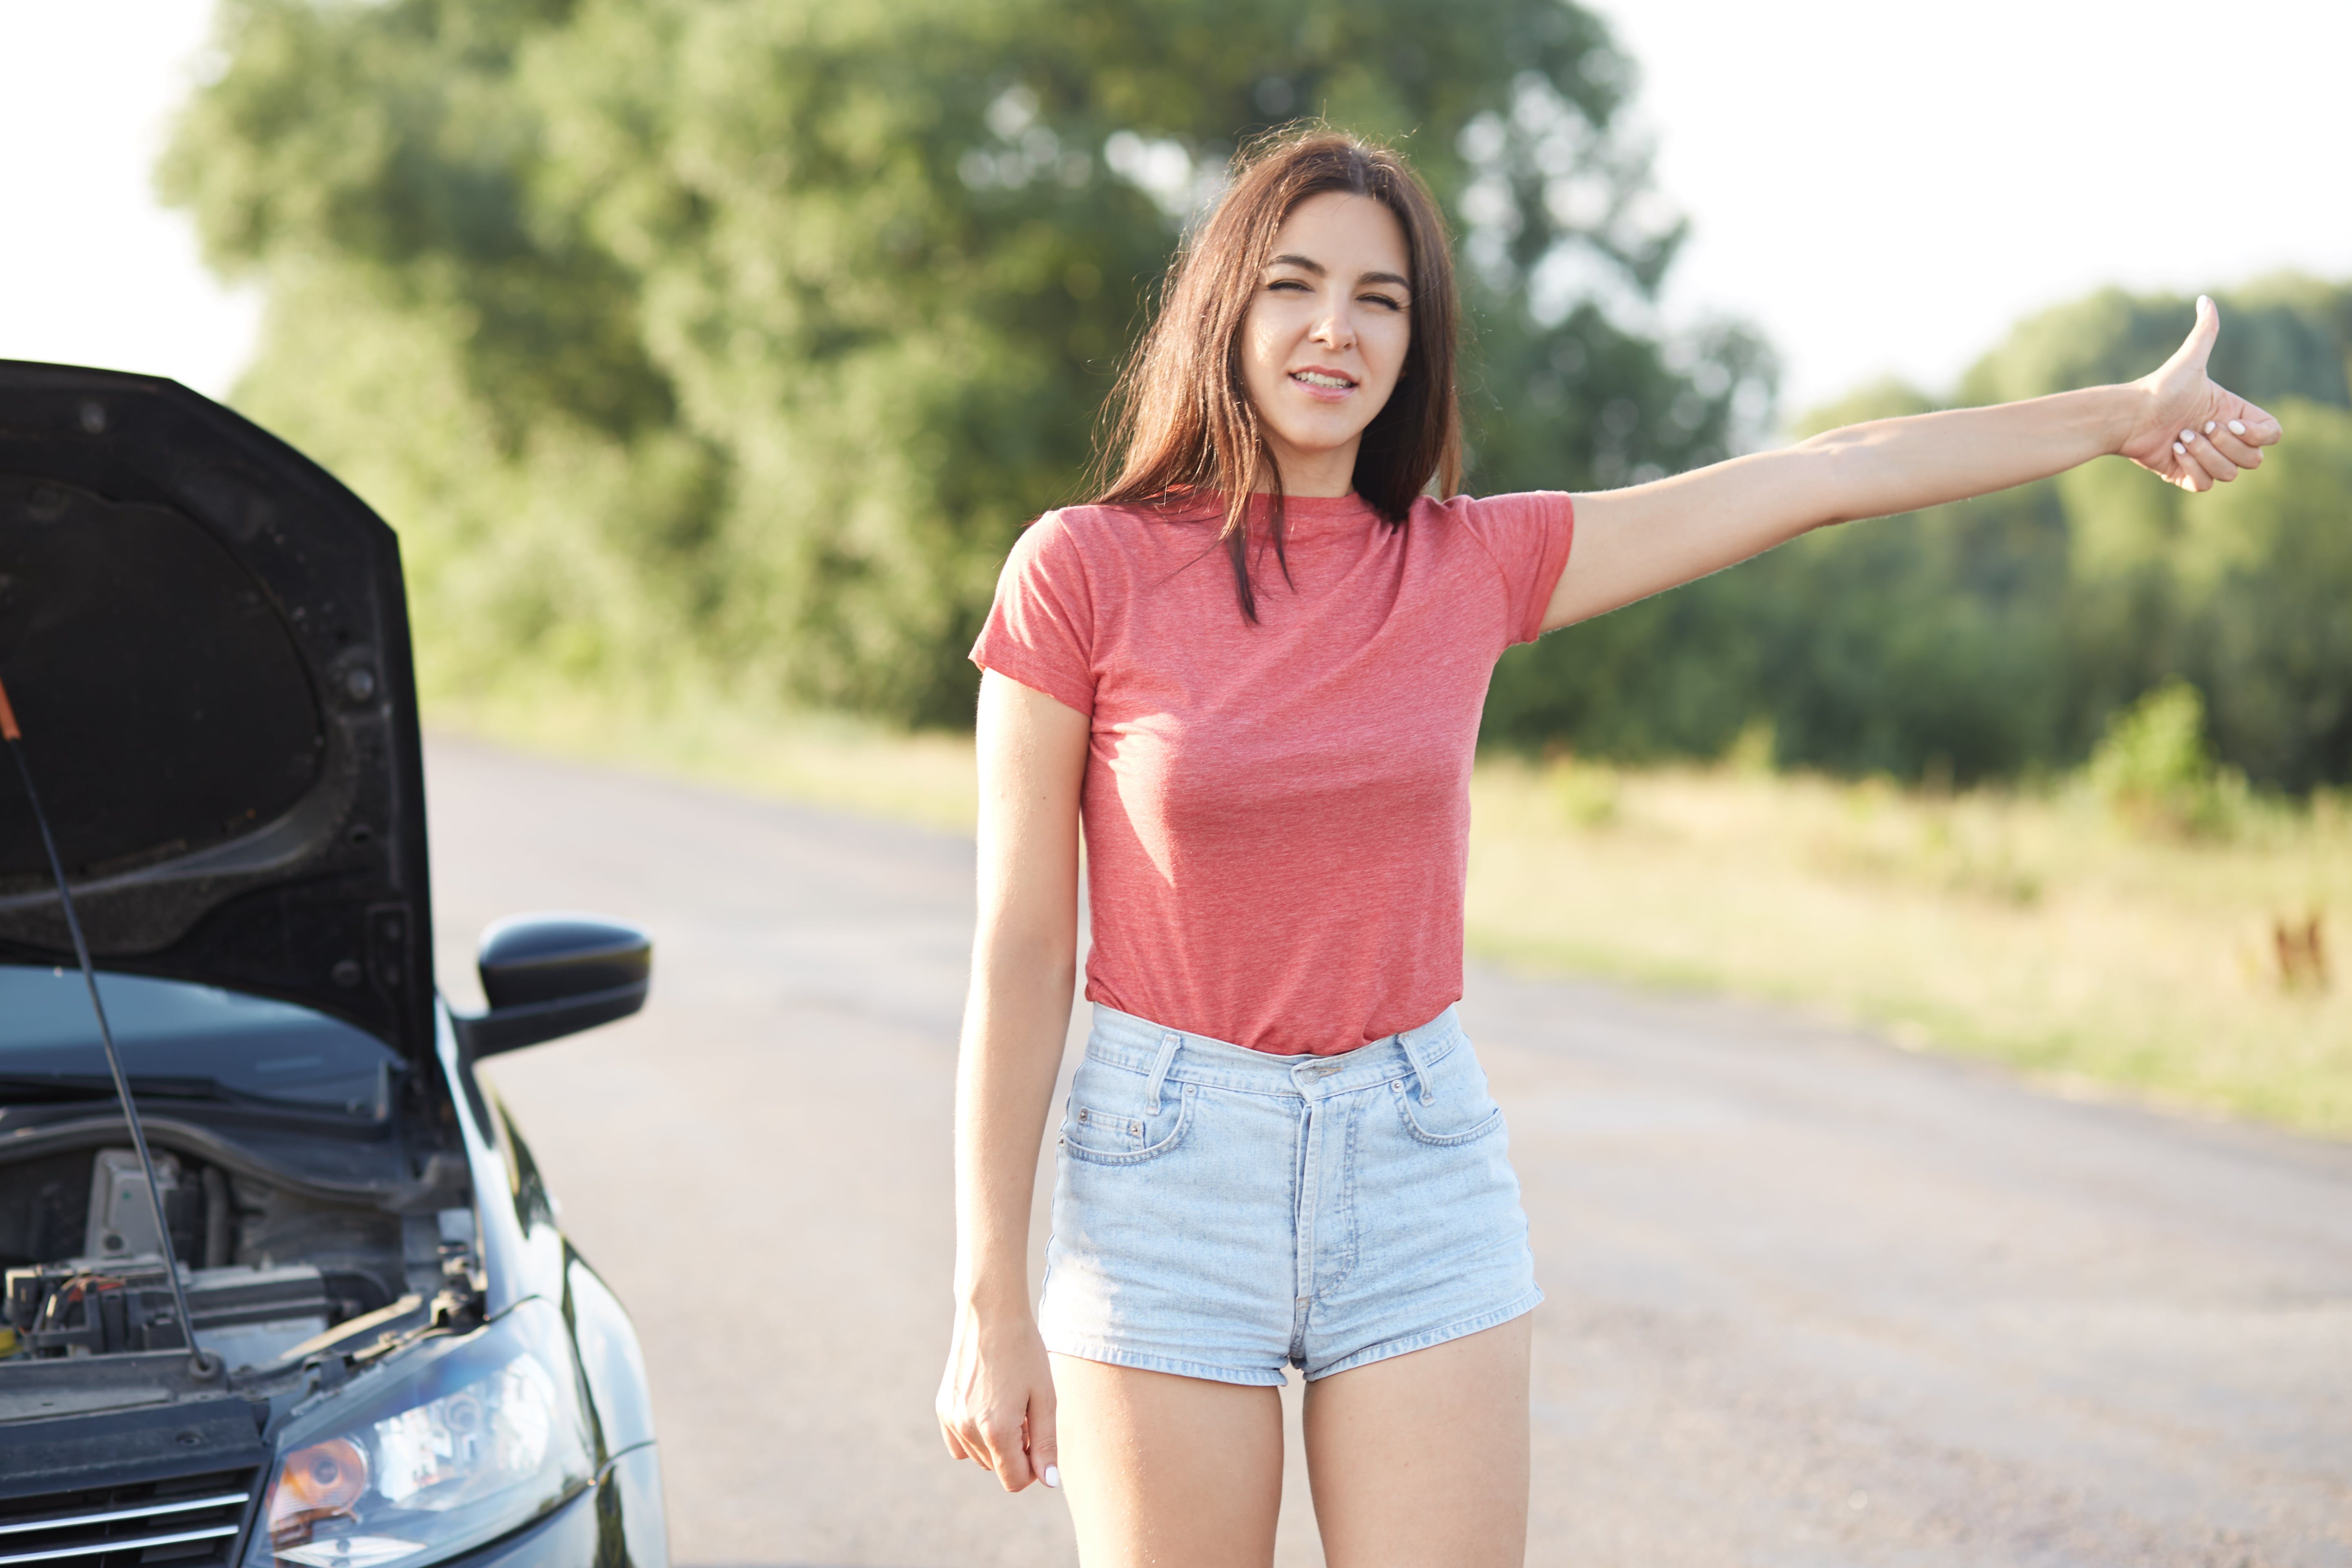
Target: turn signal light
(323,1478)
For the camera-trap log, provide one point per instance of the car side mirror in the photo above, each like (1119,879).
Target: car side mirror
(548,975)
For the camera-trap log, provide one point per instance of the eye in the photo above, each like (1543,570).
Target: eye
(1298,284)
(1390,301)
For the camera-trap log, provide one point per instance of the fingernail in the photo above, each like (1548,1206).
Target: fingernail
(1054,1477)
(2236,428)
(2209,427)
(2188,436)
(2179,450)
(2204,301)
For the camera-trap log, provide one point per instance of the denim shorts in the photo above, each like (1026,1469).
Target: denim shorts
(1221,1213)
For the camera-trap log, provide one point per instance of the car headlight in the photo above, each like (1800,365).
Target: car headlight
(440,1450)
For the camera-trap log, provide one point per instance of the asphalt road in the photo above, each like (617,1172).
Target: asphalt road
(1814,1300)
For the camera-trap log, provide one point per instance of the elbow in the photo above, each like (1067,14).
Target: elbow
(1034,956)
(1833,487)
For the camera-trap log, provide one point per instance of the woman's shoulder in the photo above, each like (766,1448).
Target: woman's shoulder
(1099,529)
(1488,512)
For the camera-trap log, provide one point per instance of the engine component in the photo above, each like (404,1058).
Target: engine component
(250,1317)
(247,1317)
(66,1311)
(121,1216)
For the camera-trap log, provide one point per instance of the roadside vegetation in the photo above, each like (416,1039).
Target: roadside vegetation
(2186,946)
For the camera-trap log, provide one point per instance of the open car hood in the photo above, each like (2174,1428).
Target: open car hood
(206,639)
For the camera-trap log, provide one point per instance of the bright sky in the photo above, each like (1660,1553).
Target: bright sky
(93,270)
(1882,186)
(1886,186)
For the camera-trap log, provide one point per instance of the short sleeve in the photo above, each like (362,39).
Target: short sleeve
(1528,535)
(1040,631)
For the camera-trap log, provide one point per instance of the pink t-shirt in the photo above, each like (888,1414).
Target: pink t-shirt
(1278,816)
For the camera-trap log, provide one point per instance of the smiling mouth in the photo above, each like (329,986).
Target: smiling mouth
(1318,378)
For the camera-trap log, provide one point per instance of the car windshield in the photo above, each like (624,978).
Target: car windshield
(181,1038)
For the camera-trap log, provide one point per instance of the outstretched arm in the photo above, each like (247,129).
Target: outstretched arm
(2174,422)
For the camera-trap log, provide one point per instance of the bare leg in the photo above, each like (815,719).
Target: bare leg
(1175,1472)
(1422,1458)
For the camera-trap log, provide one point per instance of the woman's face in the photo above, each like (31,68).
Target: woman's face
(1327,335)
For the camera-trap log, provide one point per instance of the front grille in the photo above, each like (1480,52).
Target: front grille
(188,1523)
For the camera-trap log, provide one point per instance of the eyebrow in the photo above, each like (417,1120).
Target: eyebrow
(1317,268)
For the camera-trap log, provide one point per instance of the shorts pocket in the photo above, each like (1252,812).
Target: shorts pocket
(1457,1109)
(1104,1135)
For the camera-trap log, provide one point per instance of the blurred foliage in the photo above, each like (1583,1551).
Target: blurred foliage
(694,342)
(2155,770)
(1999,637)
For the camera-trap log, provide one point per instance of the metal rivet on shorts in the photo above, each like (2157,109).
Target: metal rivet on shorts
(1082,1116)
(1135,1128)
(1397,1084)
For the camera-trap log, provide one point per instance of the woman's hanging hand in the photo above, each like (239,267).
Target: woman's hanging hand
(2193,433)
(996,1401)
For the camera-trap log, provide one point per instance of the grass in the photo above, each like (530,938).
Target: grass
(825,759)
(2038,930)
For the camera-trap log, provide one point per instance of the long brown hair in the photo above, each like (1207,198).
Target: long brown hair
(1182,423)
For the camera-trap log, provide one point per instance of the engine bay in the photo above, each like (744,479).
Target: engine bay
(272,1276)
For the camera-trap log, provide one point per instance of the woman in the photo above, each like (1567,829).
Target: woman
(1254,669)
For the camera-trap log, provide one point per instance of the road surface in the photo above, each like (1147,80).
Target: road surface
(1814,1300)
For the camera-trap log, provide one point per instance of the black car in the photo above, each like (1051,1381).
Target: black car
(398,1359)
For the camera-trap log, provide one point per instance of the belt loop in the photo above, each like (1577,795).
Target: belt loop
(1168,1043)
(1420,1067)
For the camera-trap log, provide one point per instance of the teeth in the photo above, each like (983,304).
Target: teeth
(1316,378)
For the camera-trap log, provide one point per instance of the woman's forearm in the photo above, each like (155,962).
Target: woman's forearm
(1016,1022)
(1890,466)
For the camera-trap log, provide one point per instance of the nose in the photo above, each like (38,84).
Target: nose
(1334,330)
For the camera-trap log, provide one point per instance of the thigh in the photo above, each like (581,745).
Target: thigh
(1165,1469)
(1422,1457)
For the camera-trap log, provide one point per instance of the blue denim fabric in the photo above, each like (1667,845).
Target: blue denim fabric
(1221,1213)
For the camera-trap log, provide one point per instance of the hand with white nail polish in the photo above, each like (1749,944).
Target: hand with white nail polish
(995,1404)
(2181,396)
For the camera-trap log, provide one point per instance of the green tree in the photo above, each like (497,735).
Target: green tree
(2266,576)
(735,339)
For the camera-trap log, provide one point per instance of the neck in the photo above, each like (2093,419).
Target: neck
(1306,474)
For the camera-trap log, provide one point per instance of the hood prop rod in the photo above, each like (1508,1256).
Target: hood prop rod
(200,1362)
